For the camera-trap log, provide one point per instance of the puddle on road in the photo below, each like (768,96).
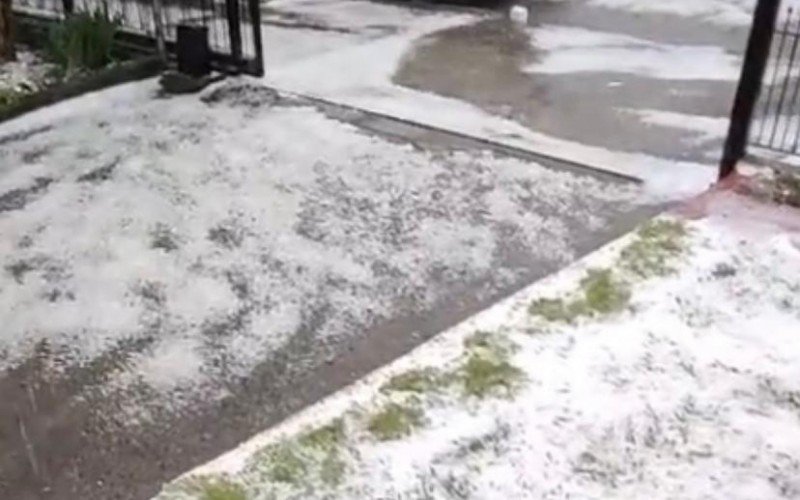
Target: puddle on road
(588,107)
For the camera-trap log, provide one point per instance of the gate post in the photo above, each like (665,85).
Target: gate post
(755,63)
(234,29)
(254,8)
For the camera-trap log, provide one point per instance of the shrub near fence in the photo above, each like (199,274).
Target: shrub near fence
(234,26)
(82,42)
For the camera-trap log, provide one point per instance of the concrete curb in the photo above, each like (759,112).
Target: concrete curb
(546,160)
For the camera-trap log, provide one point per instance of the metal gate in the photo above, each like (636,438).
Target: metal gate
(776,126)
(234,26)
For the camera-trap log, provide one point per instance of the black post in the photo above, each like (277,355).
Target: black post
(192,50)
(255,20)
(69,6)
(755,64)
(234,29)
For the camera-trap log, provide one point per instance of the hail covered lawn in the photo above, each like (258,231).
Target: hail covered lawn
(186,239)
(663,366)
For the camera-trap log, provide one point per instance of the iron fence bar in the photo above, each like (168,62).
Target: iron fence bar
(784,86)
(255,21)
(234,28)
(774,80)
(233,25)
(793,102)
(158,26)
(215,29)
(143,21)
(796,144)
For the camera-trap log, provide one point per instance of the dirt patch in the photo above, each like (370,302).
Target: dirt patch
(249,96)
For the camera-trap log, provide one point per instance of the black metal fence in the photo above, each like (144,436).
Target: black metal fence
(776,126)
(751,83)
(234,26)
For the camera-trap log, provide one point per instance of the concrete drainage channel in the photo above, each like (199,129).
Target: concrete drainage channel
(60,448)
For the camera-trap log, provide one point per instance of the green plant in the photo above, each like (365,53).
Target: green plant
(315,455)
(656,246)
(282,463)
(416,381)
(394,421)
(600,293)
(9,97)
(213,488)
(604,293)
(483,375)
(487,369)
(325,438)
(492,343)
(332,469)
(83,41)
(558,309)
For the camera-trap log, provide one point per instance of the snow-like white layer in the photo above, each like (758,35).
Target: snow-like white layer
(705,128)
(220,229)
(28,73)
(724,12)
(356,68)
(575,50)
(691,393)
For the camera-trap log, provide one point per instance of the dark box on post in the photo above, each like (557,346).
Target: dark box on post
(193,53)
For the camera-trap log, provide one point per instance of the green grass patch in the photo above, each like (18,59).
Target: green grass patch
(652,253)
(332,469)
(601,292)
(487,370)
(483,376)
(417,381)
(490,343)
(556,310)
(326,438)
(213,488)
(394,421)
(658,243)
(313,456)
(282,463)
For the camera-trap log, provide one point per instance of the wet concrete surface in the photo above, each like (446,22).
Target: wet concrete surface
(59,440)
(481,64)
